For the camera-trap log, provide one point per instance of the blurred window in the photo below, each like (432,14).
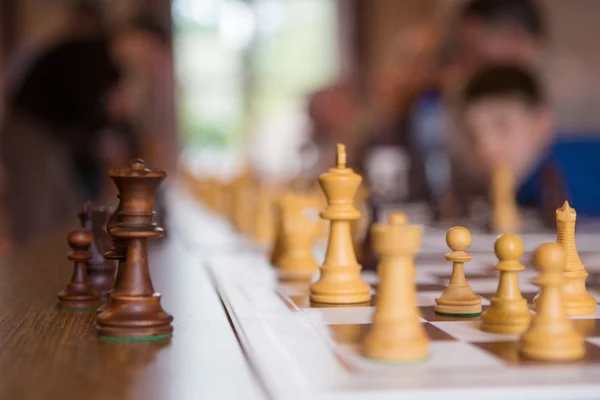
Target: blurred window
(241,62)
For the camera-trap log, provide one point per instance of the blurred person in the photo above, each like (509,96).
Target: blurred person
(336,115)
(410,69)
(491,31)
(509,121)
(49,138)
(145,96)
(515,31)
(83,20)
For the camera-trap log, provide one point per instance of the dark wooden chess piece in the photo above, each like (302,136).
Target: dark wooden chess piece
(117,252)
(100,271)
(134,311)
(79,293)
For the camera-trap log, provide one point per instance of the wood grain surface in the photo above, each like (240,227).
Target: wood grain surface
(47,353)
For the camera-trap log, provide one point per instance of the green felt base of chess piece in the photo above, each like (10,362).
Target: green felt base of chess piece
(136,339)
(458,315)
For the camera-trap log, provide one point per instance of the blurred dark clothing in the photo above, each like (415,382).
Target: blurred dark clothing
(575,163)
(64,90)
(41,189)
(49,143)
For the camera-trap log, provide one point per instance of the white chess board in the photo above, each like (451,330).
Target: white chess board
(299,350)
(306,351)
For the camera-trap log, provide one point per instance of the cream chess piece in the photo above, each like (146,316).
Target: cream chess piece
(508,312)
(505,216)
(297,234)
(576,298)
(396,333)
(551,335)
(458,298)
(340,281)
(264,222)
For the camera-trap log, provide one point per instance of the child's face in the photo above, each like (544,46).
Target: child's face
(505,131)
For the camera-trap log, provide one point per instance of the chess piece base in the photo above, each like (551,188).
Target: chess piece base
(576,298)
(511,317)
(344,291)
(342,298)
(134,317)
(556,348)
(78,296)
(458,310)
(392,343)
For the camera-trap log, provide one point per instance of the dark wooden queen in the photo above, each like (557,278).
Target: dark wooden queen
(133,310)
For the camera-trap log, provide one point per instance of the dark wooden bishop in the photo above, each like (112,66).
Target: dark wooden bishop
(133,310)
(117,252)
(100,271)
(79,293)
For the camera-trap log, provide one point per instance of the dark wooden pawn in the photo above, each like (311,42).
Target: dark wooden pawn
(100,271)
(134,311)
(79,293)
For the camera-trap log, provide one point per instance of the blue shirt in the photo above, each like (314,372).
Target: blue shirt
(428,137)
(576,164)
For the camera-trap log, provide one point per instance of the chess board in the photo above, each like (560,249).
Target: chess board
(300,350)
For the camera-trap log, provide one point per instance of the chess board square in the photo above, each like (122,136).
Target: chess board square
(352,334)
(470,331)
(344,316)
(448,354)
(508,351)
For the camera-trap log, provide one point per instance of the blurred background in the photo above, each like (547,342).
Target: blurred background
(271,85)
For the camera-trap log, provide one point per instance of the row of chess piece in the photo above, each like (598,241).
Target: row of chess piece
(282,219)
(131,309)
(397,333)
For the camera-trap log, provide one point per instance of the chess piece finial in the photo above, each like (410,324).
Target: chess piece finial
(133,309)
(397,218)
(340,156)
(79,294)
(459,240)
(576,298)
(340,281)
(551,335)
(458,298)
(508,312)
(396,333)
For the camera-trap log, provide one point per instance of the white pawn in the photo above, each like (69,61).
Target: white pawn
(508,312)
(551,335)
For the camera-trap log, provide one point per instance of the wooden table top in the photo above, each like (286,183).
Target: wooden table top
(54,354)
